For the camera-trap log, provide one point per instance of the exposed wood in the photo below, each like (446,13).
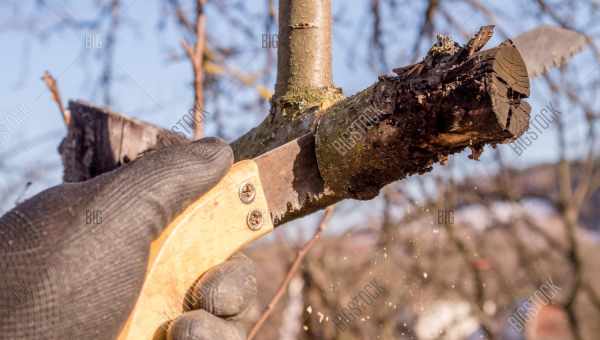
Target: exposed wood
(205,234)
(479,40)
(98,141)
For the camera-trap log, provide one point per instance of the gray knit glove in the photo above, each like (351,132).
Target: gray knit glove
(73,258)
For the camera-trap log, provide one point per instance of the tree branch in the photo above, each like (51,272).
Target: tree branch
(397,127)
(53,88)
(403,124)
(196,56)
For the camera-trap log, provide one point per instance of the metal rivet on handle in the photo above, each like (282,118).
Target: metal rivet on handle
(247,193)
(254,220)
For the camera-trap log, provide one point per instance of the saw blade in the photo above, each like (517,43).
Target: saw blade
(546,47)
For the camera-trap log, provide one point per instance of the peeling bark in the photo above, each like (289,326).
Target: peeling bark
(99,141)
(403,124)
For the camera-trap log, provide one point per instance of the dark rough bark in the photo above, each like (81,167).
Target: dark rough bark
(403,124)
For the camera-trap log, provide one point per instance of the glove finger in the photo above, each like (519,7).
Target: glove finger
(227,290)
(163,182)
(201,325)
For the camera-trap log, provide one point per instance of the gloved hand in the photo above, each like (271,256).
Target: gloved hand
(73,258)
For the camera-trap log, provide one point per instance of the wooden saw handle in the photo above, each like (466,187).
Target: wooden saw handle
(205,234)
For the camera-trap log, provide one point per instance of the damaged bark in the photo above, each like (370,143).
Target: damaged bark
(403,124)
(99,141)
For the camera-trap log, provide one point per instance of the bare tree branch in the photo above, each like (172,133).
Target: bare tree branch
(196,56)
(53,87)
(292,272)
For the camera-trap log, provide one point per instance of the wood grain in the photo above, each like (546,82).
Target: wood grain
(207,233)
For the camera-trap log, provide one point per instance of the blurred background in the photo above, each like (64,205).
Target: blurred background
(500,248)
